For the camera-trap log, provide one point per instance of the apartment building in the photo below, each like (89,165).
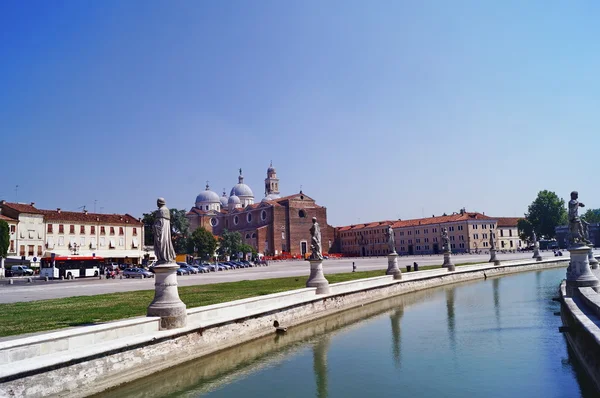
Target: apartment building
(507,235)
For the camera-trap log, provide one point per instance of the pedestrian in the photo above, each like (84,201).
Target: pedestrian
(353,267)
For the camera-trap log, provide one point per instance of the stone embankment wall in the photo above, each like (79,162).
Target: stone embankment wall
(86,360)
(580,315)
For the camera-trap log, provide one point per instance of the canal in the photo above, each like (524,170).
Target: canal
(492,338)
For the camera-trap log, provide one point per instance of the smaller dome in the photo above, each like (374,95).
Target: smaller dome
(234,200)
(208,196)
(224,199)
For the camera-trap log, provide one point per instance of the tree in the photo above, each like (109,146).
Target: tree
(246,248)
(544,214)
(179,229)
(592,216)
(4,243)
(229,243)
(203,243)
(525,229)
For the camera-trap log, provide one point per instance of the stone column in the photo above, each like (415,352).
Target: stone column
(393,266)
(167,304)
(579,273)
(592,259)
(447,262)
(536,251)
(316,278)
(493,258)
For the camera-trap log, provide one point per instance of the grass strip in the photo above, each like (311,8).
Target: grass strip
(43,315)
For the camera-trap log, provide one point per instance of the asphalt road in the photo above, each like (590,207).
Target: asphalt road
(40,290)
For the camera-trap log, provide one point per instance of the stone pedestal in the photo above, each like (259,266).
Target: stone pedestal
(393,266)
(316,278)
(447,262)
(167,304)
(592,259)
(536,252)
(579,273)
(493,258)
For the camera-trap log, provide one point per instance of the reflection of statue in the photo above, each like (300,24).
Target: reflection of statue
(576,227)
(445,240)
(390,239)
(315,241)
(163,247)
(492,240)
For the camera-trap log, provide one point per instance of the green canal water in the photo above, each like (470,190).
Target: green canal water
(493,338)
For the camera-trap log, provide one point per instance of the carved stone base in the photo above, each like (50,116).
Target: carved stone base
(393,266)
(167,304)
(536,253)
(316,278)
(447,262)
(579,273)
(592,259)
(493,258)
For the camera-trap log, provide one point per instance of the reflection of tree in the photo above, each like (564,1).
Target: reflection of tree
(395,318)
(495,286)
(450,317)
(320,365)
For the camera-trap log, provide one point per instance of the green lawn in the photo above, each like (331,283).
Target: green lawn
(36,316)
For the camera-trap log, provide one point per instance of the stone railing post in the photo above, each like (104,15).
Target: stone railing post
(578,272)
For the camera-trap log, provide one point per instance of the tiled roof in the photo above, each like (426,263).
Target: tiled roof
(419,221)
(22,207)
(508,221)
(6,218)
(80,217)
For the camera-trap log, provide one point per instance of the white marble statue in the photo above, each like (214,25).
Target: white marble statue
(163,247)
(391,241)
(315,241)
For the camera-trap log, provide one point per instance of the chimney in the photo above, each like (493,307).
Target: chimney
(58,210)
(32,204)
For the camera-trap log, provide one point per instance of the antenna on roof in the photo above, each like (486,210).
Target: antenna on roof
(81,207)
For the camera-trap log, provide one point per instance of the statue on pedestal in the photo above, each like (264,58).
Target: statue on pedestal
(492,241)
(163,247)
(576,225)
(391,241)
(445,240)
(315,241)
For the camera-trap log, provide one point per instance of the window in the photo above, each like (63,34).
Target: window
(82,241)
(460,227)
(461,245)
(249,218)
(236,220)
(247,236)
(452,245)
(93,230)
(111,244)
(434,230)
(82,229)
(417,240)
(402,242)
(121,242)
(263,215)
(452,238)
(418,247)
(12,246)
(426,240)
(451,229)
(134,231)
(112,230)
(409,232)
(401,233)
(49,228)
(501,232)
(134,243)
(121,231)
(410,241)
(484,226)
(511,243)
(254,235)
(461,237)
(502,244)
(510,232)
(302,214)
(102,241)
(103,231)
(22,250)
(435,239)
(484,236)
(30,250)
(475,236)
(485,244)
(417,232)
(61,240)
(71,229)
(61,229)
(426,231)
(214,222)
(474,226)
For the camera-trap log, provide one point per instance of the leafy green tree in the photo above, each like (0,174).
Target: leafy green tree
(229,243)
(4,243)
(179,229)
(544,214)
(525,230)
(592,216)
(202,243)
(246,248)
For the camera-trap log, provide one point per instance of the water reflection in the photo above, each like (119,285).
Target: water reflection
(450,316)
(496,290)
(320,365)
(395,318)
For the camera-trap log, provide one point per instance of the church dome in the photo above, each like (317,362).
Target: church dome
(234,200)
(207,196)
(224,199)
(240,189)
(271,196)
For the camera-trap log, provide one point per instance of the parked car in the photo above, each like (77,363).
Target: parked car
(189,268)
(182,271)
(137,273)
(203,268)
(20,270)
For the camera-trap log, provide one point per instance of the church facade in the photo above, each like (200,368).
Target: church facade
(277,225)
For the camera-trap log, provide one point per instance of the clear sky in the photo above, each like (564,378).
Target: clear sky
(380,110)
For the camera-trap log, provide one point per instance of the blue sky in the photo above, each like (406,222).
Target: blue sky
(380,110)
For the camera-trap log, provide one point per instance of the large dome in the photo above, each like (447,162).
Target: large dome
(207,196)
(241,189)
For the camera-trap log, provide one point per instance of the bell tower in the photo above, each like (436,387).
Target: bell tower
(271,182)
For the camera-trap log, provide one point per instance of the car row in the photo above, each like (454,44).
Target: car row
(201,268)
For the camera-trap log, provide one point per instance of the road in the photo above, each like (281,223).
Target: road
(40,290)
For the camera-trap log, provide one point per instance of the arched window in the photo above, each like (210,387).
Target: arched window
(249,218)
(253,235)
(302,214)
(206,207)
(236,220)
(263,215)
(214,222)
(247,236)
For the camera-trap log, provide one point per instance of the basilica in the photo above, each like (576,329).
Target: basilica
(275,226)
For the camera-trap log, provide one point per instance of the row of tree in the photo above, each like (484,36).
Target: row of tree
(201,243)
(547,212)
